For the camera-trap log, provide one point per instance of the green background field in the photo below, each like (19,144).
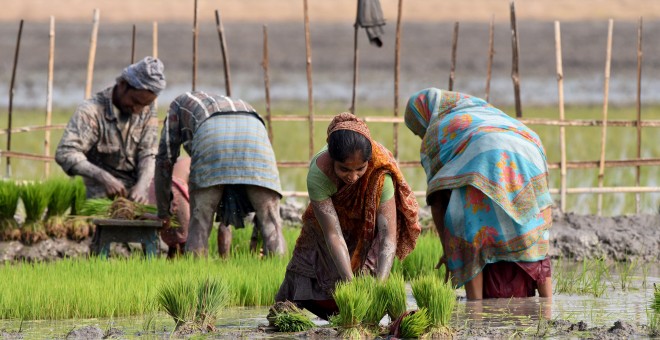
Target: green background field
(291,140)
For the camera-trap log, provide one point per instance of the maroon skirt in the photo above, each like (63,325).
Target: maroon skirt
(515,279)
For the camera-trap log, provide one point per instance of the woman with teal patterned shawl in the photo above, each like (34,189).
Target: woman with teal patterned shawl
(488,190)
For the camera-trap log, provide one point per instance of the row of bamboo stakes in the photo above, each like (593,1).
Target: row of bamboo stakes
(562,123)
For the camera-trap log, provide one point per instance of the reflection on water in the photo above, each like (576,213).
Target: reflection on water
(519,314)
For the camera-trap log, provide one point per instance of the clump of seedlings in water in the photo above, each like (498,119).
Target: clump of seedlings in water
(353,303)
(9,195)
(287,317)
(625,270)
(439,300)
(414,324)
(422,260)
(194,306)
(35,200)
(61,194)
(395,290)
(379,301)
(590,280)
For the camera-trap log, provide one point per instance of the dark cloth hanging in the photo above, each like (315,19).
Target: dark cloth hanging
(370,17)
(234,206)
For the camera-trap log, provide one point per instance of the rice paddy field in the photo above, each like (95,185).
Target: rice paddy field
(291,142)
(120,296)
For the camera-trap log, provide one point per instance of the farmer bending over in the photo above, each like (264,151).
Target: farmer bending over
(111,138)
(233,169)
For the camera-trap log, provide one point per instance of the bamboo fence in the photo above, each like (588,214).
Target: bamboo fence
(563,165)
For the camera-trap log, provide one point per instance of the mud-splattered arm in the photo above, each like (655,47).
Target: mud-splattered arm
(329,221)
(386,224)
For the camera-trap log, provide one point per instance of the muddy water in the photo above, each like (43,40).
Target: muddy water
(496,316)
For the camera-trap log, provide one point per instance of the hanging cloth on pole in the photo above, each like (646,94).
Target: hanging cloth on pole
(370,17)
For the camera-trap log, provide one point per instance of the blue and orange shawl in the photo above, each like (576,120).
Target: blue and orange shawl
(496,169)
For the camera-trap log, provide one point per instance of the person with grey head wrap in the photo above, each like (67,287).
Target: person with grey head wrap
(112,138)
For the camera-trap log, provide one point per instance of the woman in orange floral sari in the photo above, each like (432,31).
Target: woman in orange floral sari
(361,214)
(487,187)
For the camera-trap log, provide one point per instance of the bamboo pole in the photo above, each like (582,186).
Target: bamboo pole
(562,129)
(397,72)
(154,39)
(310,93)
(49,92)
(265,65)
(382,119)
(491,55)
(195,45)
(92,53)
(356,58)
(638,170)
(515,75)
(454,47)
(133,45)
(154,51)
(608,60)
(11,95)
(223,50)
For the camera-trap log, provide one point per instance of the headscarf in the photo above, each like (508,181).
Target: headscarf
(427,105)
(348,121)
(146,74)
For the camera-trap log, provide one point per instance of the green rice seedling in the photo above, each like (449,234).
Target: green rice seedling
(9,195)
(353,302)
(626,269)
(194,304)
(61,194)
(438,298)
(379,302)
(212,296)
(35,197)
(424,258)
(598,273)
(292,322)
(645,274)
(95,207)
(395,289)
(656,298)
(414,324)
(79,195)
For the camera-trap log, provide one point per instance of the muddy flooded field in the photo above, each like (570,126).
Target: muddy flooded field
(603,288)
(616,314)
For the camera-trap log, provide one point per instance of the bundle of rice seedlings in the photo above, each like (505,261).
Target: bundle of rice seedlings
(353,302)
(78,228)
(194,306)
(414,324)
(35,200)
(438,298)
(61,194)
(379,301)
(123,209)
(79,195)
(9,195)
(285,316)
(95,207)
(395,289)
(292,322)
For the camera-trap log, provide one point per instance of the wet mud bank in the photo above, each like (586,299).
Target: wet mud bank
(616,238)
(573,237)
